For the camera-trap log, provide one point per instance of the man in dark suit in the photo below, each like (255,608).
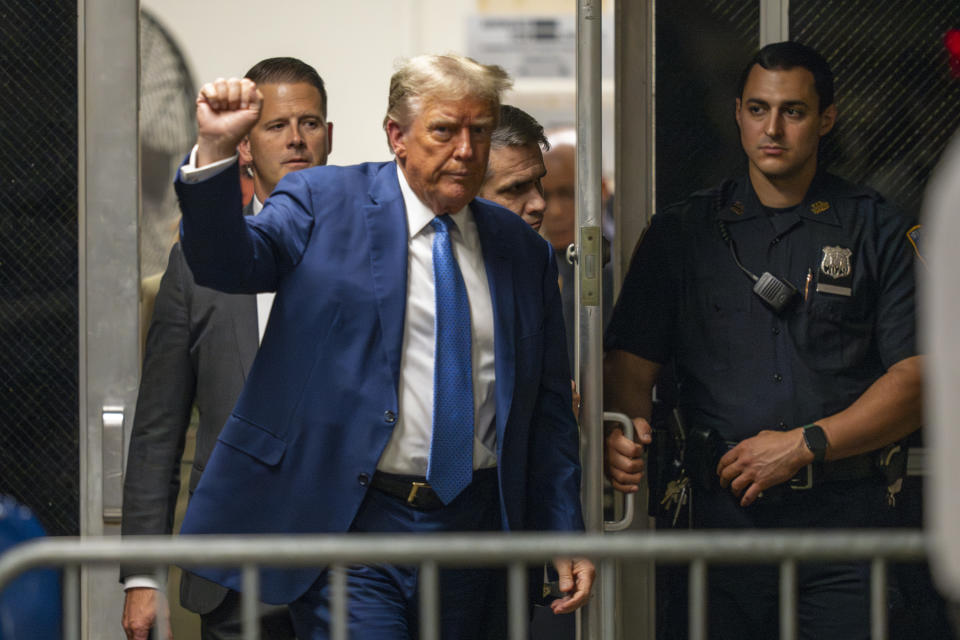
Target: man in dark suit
(199,350)
(515,170)
(412,377)
(514,178)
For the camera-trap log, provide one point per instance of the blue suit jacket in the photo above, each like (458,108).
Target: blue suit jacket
(318,407)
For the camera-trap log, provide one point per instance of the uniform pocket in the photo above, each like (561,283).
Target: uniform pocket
(720,325)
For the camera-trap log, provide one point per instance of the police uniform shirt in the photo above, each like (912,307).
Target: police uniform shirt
(741,367)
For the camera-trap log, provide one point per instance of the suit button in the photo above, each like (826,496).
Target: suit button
(363,479)
(389,417)
(777,377)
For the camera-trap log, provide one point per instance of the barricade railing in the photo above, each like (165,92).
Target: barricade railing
(515,551)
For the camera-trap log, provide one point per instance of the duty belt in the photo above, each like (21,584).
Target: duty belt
(859,467)
(843,470)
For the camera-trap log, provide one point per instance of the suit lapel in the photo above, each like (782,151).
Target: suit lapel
(500,278)
(387,229)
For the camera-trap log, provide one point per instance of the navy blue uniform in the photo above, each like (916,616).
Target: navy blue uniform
(742,368)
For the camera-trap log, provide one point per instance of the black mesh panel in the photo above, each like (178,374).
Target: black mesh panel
(897,100)
(701,47)
(39,462)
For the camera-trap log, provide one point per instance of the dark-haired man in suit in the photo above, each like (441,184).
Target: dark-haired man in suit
(515,170)
(199,350)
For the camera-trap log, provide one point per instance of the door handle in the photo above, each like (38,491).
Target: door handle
(629,499)
(112,459)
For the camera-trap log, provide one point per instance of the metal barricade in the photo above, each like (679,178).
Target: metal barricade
(514,550)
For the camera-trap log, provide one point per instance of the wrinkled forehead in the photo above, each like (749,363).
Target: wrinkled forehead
(455,104)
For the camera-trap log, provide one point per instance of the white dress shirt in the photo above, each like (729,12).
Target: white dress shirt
(408,451)
(264,300)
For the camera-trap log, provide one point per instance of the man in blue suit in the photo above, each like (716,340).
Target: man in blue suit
(412,376)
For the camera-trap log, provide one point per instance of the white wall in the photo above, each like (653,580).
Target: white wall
(352,43)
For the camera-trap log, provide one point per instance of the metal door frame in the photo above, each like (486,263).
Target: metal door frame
(109,282)
(774,21)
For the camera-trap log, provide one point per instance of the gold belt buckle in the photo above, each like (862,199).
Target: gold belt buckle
(415,487)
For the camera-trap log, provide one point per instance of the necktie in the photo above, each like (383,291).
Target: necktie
(450,468)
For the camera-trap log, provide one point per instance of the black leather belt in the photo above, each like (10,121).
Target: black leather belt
(417,493)
(413,490)
(843,470)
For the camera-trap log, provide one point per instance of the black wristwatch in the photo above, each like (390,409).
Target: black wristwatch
(816,441)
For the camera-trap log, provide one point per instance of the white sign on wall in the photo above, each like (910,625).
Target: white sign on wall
(533,46)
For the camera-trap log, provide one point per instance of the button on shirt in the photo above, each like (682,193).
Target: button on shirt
(409,448)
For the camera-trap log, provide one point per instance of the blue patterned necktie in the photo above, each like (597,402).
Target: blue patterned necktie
(450,468)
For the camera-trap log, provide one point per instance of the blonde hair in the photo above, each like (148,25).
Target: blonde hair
(446,77)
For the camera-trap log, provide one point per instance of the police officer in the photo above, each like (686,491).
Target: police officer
(786,300)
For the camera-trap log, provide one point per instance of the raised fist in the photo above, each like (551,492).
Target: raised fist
(226,111)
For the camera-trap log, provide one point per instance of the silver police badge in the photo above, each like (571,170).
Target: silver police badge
(836,270)
(836,262)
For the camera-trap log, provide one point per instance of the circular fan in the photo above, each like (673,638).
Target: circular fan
(167,131)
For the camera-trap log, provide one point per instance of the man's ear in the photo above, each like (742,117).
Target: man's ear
(243,150)
(827,119)
(736,113)
(397,137)
(329,137)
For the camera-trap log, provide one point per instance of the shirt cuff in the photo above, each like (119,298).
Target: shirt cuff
(191,174)
(134,582)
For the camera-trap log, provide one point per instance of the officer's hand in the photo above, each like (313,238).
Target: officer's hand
(140,613)
(767,459)
(226,111)
(623,459)
(575,580)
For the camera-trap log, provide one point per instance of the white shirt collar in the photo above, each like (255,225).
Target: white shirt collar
(257,205)
(418,214)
